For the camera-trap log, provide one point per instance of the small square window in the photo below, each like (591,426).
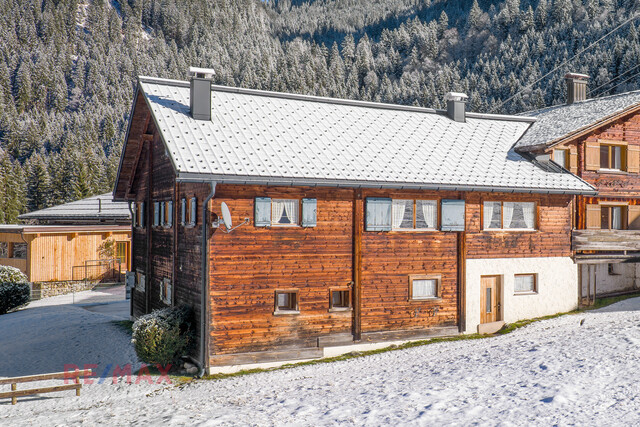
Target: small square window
(286,302)
(525,284)
(423,287)
(340,300)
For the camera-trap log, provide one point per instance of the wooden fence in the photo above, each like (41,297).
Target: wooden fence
(15,393)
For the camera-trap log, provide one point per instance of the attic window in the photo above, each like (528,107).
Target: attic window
(612,157)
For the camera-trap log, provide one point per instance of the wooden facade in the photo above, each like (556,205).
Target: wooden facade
(61,253)
(248,266)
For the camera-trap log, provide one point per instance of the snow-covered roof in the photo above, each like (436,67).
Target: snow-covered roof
(273,138)
(561,121)
(93,209)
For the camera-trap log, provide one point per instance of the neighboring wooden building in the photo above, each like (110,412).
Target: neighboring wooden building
(73,248)
(598,140)
(356,222)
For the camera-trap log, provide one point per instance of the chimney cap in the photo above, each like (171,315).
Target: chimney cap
(206,73)
(576,76)
(456,96)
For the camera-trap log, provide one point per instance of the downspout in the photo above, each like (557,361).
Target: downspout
(204,304)
(131,258)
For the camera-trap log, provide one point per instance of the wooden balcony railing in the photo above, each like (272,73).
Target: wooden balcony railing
(605,240)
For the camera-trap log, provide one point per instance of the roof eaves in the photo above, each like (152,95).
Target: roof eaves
(310,182)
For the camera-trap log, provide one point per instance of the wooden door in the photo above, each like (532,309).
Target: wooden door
(490,300)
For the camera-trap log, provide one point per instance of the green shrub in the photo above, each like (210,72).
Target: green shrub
(11,275)
(13,295)
(163,335)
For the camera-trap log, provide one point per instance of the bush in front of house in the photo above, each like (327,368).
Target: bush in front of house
(163,335)
(13,295)
(11,275)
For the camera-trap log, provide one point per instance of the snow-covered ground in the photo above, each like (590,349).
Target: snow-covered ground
(550,372)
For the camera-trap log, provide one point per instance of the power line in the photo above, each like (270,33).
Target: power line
(567,61)
(622,82)
(615,78)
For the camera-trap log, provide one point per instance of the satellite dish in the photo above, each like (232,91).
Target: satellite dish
(226,216)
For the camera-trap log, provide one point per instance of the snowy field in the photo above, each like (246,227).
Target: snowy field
(553,372)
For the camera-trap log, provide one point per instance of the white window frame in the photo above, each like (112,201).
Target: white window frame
(438,280)
(415,215)
(527,291)
(296,223)
(502,227)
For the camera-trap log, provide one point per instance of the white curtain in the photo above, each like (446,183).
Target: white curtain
(291,209)
(286,208)
(528,210)
(616,218)
(430,213)
(397,212)
(617,158)
(488,214)
(425,288)
(507,214)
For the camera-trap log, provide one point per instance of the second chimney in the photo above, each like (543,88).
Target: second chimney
(576,87)
(200,96)
(455,106)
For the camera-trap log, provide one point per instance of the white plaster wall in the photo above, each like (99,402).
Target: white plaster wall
(557,287)
(624,278)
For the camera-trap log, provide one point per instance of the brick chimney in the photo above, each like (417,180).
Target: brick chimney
(200,97)
(455,106)
(576,87)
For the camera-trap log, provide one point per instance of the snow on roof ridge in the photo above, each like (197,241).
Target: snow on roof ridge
(601,98)
(336,101)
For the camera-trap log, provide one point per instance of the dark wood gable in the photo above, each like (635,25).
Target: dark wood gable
(136,137)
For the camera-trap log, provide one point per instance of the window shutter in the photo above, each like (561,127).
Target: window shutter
(633,159)
(183,212)
(169,291)
(142,214)
(262,212)
(309,212)
(378,214)
(169,213)
(156,214)
(592,156)
(593,217)
(573,159)
(634,217)
(162,208)
(453,215)
(135,214)
(194,211)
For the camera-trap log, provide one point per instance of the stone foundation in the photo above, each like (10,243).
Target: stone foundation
(41,290)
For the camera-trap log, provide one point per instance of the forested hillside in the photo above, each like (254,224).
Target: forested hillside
(68,68)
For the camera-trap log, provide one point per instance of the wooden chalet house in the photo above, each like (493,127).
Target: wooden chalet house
(599,141)
(63,243)
(354,222)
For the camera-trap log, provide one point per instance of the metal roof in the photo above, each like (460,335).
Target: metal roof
(560,121)
(274,138)
(92,208)
(31,229)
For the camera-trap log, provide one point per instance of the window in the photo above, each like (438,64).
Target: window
(340,300)
(188,211)
(139,214)
(122,253)
(286,302)
(509,215)
(611,270)
(140,280)
(284,212)
(613,217)
(612,157)
(561,157)
(423,287)
(167,214)
(156,214)
(414,214)
(525,284)
(165,291)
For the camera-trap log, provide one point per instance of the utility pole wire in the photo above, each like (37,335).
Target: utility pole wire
(615,78)
(622,82)
(567,61)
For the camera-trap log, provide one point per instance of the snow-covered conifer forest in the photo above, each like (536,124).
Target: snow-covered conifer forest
(68,68)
